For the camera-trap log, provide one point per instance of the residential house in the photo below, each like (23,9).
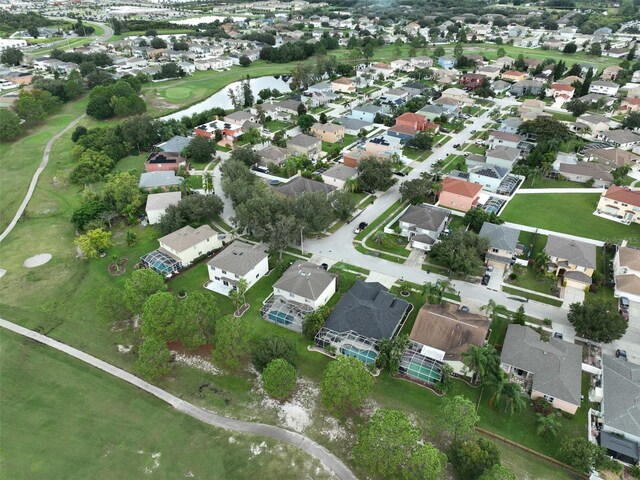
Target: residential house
(240,118)
(572,260)
(619,434)
(164,161)
(157,204)
(175,144)
(624,139)
(412,28)
(561,90)
(613,157)
(445,76)
(447,62)
(338,175)
(629,105)
(582,172)
(513,76)
(595,123)
(620,204)
(273,155)
(504,139)
(503,244)
(487,175)
(305,283)
(489,71)
(423,224)
(353,126)
(448,104)
(401,65)
(626,273)
(459,194)
(504,157)
(611,73)
(288,107)
(303,144)
(504,62)
(604,87)
(472,80)
(301,185)
(526,87)
(532,109)
(164,180)
(500,86)
(402,132)
(395,96)
(634,92)
(510,125)
(421,62)
(366,113)
(343,85)
(328,132)
(230,131)
(444,333)
(549,369)
(432,112)
(383,69)
(236,262)
(414,120)
(364,316)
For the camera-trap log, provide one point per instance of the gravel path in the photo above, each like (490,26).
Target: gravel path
(312,448)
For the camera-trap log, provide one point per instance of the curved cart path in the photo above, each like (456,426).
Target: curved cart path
(36,176)
(312,448)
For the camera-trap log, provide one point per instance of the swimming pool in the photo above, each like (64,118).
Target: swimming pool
(281,318)
(366,356)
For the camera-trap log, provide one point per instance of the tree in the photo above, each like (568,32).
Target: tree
(9,125)
(458,50)
(375,174)
(313,210)
(279,378)
(244,61)
(434,292)
(169,70)
(417,191)
(498,472)
(196,316)
(158,316)
(157,42)
(94,242)
(546,129)
(484,361)
(501,52)
(476,217)
(595,49)
(597,320)
(581,454)
(305,122)
(631,121)
(344,203)
(471,458)
(190,210)
(421,141)
(459,417)
(92,167)
(140,132)
(128,106)
(121,192)
(231,341)
(12,57)
(141,285)
(438,52)
(391,351)
(237,295)
(391,447)
(313,322)
(576,107)
(547,425)
(461,251)
(29,108)
(270,348)
(494,310)
(519,317)
(345,385)
(570,48)
(282,232)
(323,118)
(110,305)
(153,358)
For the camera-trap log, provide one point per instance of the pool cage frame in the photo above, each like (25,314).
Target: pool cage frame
(413,355)
(281,304)
(150,259)
(337,340)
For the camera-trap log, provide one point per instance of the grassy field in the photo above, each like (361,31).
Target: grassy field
(64,419)
(570,213)
(21,158)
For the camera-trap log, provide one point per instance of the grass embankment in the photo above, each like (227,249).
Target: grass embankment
(63,419)
(570,213)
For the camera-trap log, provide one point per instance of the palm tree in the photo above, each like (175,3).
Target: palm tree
(435,291)
(540,260)
(499,383)
(379,237)
(351,185)
(514,398)
(494,310)
(547,425)
(475,359)
(237,295)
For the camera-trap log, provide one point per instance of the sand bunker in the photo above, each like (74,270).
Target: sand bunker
(2,272)
(37,260)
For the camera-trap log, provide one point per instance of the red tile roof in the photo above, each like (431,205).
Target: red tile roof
(562,86)
(461,187)
(411,117)
(623,194)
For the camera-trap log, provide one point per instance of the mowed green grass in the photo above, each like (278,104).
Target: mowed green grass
(177,93)
(570,213)
(64,419)
(21,158)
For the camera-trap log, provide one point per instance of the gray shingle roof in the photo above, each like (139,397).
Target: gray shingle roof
(303,140)
(501,237)
(159,179)
(425,217)
(239,258)
(175,144)
(305,279)
(187,237)
(368,108)
(504,153)
(369,310)
(341,172)
(576,252)
(556,365)
(160,201)
(353,123)
(301,185)
(621,395)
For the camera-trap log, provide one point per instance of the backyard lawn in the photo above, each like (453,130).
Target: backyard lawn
(276,125)
(64,419)
(570,213)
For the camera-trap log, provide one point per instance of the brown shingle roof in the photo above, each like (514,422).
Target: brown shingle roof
(629,257)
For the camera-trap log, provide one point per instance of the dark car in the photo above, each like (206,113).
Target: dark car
(557,335)
(363,225)
(400,174)
(325,266)
(624,303)
(456,145)
(621,353)
(485,279)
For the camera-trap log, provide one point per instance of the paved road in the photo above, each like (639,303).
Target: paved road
(36,176)
(327,458)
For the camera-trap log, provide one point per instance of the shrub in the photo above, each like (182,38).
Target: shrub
(271,348)
(279,378)
(541,406)
(513,276)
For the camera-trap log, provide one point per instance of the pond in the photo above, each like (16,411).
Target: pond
(221,99)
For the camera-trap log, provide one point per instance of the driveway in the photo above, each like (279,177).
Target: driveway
(572,295)
(497,276)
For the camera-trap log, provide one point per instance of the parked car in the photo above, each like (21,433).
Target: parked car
(325,266)
(473,131)
(400,174)
(485,279)
(464,308)
(363,225)
(624,303)
(456,145)
(621,353)
(557,335)
(489,269)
